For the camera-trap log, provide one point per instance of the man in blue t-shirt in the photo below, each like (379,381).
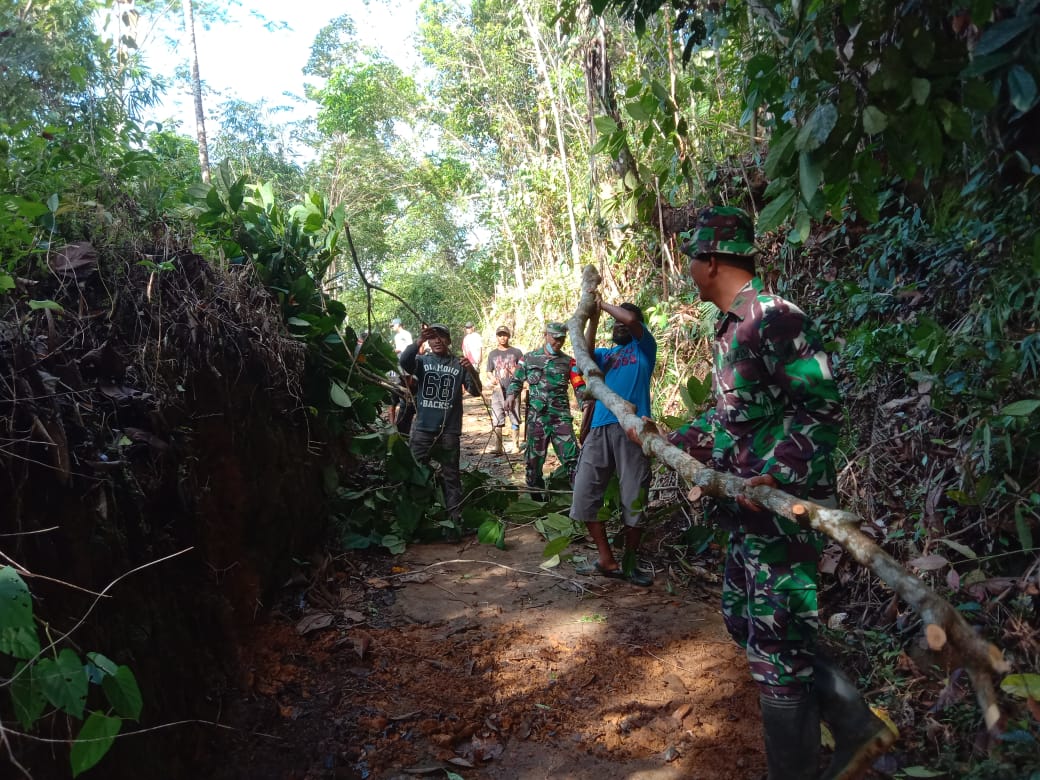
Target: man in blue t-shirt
(627,367)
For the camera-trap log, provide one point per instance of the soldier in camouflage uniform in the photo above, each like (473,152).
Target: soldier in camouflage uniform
(776,419)
(548,372)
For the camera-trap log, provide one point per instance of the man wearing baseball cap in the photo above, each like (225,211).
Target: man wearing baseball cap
(501,365)
(775,421)
(548,372)
(437,429)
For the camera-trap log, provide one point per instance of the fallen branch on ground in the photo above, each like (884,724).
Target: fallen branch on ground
(944,625)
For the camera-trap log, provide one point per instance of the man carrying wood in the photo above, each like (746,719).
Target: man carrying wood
(627,368)
(775,421)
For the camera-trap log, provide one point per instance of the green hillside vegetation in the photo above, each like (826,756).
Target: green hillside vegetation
(179,361)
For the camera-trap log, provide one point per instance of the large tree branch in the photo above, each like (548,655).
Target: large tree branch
(944,625)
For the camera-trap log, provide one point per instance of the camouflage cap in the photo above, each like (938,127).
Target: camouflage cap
(557,329)
(723,230)
(442,329)
(502,330)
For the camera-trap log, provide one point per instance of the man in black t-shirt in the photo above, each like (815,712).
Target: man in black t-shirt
(501,365)
(437,428)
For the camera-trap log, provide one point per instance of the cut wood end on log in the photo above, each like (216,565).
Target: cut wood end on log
(935,636)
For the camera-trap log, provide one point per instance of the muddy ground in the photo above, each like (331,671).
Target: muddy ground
(463,659)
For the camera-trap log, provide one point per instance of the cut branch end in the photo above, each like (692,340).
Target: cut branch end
(936,636)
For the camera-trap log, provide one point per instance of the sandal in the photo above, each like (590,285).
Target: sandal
(587,570)
(637,577)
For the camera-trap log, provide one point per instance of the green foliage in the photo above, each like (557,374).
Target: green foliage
(397,501)
(43,685)
(292,250)
(252,142)
(363,100)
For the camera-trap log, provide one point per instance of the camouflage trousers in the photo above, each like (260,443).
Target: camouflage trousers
(769,606)
(541,430)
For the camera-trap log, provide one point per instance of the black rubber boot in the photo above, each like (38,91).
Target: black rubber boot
(792,730)
(860,736)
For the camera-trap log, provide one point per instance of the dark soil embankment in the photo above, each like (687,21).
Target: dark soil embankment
(152,423)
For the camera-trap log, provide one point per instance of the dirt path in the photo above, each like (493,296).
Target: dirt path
(471,660)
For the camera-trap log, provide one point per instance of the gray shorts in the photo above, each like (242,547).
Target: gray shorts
(608,450)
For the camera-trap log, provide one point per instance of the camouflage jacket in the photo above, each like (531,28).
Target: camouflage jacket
(777,409)
(548,377)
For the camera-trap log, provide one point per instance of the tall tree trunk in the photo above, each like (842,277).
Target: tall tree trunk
(196,88)
(543,71)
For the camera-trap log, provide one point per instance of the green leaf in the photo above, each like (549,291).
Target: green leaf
(605,125)
(637,112)
(780,150)
(963,549)
(123,693)
(366,444)
(1002,33)
(920,89)
(866,201)
(817,127)
(1022,87)
(920,771)
(15,601)
(298,322)
(236,193)
(524,507)
(874,120)
(956,122)
(776,212)
(214,202)
(339,395)
(929,139)
(550,563)
(93,741)
(556,546)
(64,682)
(1024,686)
(978,95)
(491,532)
(52,305)
(6,282)
(1023,529)
(52,203)
(27,698)
(698,389)
(801,229)
(105,665)
(660,91)
(1022,408)
(810,175)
